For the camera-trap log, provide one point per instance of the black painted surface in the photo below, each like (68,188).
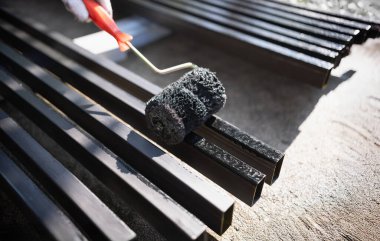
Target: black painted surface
(314,15)
(36,203)
(267,8)
(256,153)
(141,89)
(374,30)
(131,110)
(258,26)
(160,210)
(89,212)
(216,7)
(281,40)
(154,163)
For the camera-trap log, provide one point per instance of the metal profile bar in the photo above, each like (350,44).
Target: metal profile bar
(143,90)
(374,31)
(244,181)
(252,11)
(246,184)
(233,21)
(314,15)
(363,19)
(311,15)
(267,7)
(51,219)
(93,216)
(341,48)
(298,66)
(173,177)
(167,216)
(341,19)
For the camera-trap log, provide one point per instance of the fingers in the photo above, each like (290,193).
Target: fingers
(78,8)
(106,4)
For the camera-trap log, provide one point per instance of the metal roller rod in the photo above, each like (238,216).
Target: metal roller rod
(169,70)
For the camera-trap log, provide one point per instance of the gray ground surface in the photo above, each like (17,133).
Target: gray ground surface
(329,187)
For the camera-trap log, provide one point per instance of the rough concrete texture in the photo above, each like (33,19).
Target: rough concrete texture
(329,187)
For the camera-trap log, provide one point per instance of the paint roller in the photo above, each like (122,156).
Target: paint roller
(184,104)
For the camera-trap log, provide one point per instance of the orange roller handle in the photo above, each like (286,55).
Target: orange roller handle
(105,22)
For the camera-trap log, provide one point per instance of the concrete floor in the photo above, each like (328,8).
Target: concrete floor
(329,187)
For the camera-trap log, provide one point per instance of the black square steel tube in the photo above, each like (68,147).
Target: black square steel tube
(142,90)
(92,215)
(299,66)
(357,33)
(233,21)
(197,195)
(167,216)
(298,11)
(373,32)
(218,165)
(235,13)
(49,218)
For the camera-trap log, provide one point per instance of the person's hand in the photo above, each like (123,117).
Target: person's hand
(78,8)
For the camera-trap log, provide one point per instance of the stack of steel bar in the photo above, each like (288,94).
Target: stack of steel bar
(308,44)
(94,109)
